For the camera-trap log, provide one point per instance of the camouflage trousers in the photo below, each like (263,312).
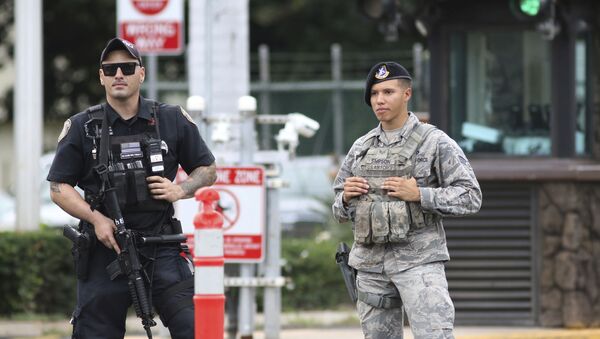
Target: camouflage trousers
(424,293)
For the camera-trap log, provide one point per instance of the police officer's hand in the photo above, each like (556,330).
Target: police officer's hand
(164,189)
(104,229)
(402,188)
(354,187)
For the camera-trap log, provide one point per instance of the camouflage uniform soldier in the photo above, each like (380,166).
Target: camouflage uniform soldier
(395,185)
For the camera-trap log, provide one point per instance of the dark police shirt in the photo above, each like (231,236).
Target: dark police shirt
(73,163)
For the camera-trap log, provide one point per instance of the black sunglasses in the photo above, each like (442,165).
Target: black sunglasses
(128,68)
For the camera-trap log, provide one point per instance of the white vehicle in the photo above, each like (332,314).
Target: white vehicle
(50,214)
(308,198)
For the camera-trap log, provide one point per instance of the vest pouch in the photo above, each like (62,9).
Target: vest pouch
(399,222)
(417,220)
(140,186)
(362,223)
(380,222)
(119,184)
(139,198)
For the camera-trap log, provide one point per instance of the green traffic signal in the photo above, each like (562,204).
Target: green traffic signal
(530,7)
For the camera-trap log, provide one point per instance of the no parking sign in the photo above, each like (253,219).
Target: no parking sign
(242,202)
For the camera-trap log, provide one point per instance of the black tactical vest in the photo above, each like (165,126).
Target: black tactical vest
(131,159)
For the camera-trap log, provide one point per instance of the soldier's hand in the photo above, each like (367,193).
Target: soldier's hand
(402,188)
(164,189)
(105,232)
(354,187)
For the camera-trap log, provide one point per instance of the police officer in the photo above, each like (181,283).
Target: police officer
(395,185)
(148,140)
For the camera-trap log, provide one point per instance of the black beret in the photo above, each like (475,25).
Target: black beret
(120,44)
(384,71)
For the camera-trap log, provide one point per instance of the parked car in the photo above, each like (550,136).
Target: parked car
(307,198)
(305,201)
(7,214)
(50,214)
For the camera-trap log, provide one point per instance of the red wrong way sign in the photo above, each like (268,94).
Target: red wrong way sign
(150,7)
(242,192)
(154,26)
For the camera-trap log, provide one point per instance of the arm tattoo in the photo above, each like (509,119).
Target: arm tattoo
(200,177)
(55,187)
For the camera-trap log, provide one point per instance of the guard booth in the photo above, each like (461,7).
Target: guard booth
(515,83)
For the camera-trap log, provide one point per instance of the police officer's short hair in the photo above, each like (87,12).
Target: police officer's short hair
(384,71)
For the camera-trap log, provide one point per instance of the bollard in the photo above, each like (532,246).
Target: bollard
(209,297)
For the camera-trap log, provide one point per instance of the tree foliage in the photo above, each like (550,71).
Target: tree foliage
(305,25)
(75,31)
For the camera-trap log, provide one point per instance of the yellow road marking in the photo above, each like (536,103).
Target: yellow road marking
(541,334)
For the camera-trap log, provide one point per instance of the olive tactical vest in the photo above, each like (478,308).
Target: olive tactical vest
(378,217)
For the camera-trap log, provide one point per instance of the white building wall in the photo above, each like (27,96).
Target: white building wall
(222,75)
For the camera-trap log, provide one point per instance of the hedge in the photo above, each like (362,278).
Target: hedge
(316,280)
(37,276)
(36,273)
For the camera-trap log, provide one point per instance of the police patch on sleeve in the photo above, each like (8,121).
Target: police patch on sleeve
(187,116)
(65,129)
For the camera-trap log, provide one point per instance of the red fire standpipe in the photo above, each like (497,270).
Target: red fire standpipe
(209,297)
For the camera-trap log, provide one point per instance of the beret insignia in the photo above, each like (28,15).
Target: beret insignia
(382,73)
(65,129)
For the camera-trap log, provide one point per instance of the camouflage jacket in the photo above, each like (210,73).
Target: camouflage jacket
(447,185)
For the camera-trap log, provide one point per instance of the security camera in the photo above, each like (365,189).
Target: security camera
(221,132)
(196,103)
(287,136)
(304,125)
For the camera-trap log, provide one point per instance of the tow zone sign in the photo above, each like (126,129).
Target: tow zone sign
(242,202)
(154,26)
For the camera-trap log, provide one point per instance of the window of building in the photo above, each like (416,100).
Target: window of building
(500,92)
(581,146)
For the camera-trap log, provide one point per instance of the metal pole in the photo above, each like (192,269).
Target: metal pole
(208,50)
(152,76)
(247,112)
(272,296)
(246,303)
(28,100)
(417,77)
(337,101)
(265,93)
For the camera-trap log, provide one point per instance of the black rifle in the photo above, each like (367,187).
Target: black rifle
(128,262)
(349,273)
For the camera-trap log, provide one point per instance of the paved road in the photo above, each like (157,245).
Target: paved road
(460,333)
(305,325)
